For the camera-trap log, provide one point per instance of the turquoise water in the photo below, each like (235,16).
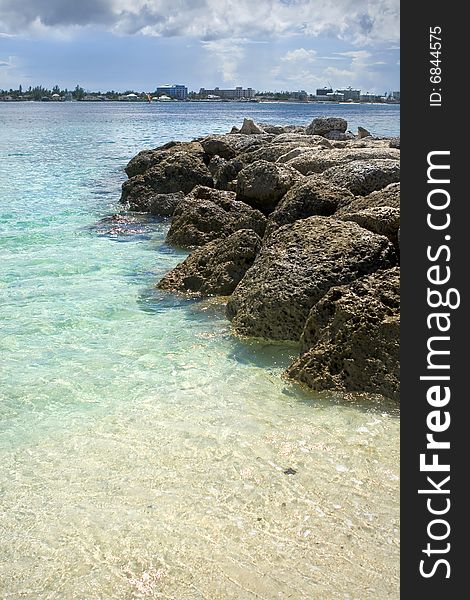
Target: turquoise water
(142,448)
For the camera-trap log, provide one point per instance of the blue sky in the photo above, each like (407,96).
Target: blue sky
(139,44)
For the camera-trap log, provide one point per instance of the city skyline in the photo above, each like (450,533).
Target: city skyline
(135,44)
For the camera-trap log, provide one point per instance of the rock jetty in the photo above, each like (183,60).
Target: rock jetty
(298,226)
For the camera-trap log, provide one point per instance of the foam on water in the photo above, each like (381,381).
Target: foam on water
(143,449)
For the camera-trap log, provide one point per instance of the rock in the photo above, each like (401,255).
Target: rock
(351,339)
(179,172)
(207,214)
(383,220)
(164,205)
(216,268)
(236,130)
(362,133)
(388,196)
(301,139)
(279,129)
(215,165)
(227,172)
(230,145)
(296,267)
(147,159)
(317,160)
(323,125)
(250,127)
(313,196)
(263,184)
(362,177)
(294,153)
(395,142)
(337,135)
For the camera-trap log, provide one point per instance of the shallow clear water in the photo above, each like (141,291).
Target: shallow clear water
(142,448)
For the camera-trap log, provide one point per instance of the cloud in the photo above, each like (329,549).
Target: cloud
(300,54)
(227,55)
(357,21)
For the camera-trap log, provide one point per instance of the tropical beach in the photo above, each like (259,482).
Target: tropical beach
(146,450)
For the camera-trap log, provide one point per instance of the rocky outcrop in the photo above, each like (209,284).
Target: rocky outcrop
(208,214)
(362,133)
(231,144)
(325,125)
(146,159)
(361,177)
(313,196)
(216,268)
(263,184)
(317,160)
(395,143)
(179,172)
(296,267)
(249,127)
(351,339)
(388,196)
(164,205)
(301,139)
(383,220)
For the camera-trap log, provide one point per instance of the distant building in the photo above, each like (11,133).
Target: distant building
(177,92)
(301,95)
(236,94)
(396,96)
(324,91)
(349,94)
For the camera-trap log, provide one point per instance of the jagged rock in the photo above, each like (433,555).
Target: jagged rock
(147,159)
(215,165)
(263,184)
(227,172)
(294,153)
(250,127)
(394,142)
(388,196)
(279,129)
(216,268)
(383,220)
(236,130)
(337,135)
(164,205)
(351,339)
(230,145)
(318,160)
(323,125)
(362,133)
(295,268)
(207,214)
(314,196)
(362,177)
(301,139)
(179,172)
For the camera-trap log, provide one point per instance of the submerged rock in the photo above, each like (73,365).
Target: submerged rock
(216,268)
(297,265)
(207,214)
(351,339)
(263,184)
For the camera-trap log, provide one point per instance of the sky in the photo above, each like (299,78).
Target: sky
(140,44)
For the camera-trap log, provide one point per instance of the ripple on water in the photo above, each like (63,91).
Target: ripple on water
(144,451)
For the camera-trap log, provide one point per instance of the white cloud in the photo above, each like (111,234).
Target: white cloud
(357,21)
(227,55)
(300,55)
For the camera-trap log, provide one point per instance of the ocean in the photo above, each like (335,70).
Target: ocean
(143,449)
